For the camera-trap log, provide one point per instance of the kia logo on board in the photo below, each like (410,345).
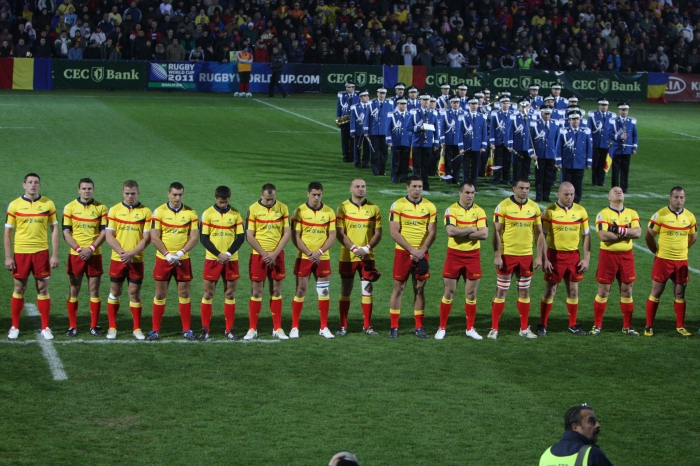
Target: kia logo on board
(675,85)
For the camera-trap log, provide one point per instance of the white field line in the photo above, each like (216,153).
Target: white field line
(308,132)
(135,342)
(297,115)
(17,127)
(47,349)
(687,135)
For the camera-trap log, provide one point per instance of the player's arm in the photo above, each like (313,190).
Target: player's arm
(583,264)
(541,246)
(430,237)
(55,243)
(395,233)
(208,245)
(330,241)
(692,238)
(651,242)
(9,256)
(191,241)
(286,236)
(497,232)
(157,241)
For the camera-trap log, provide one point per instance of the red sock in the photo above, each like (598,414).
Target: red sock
(572,309)
(679,309)
(185,314)
(652,306)
(470,310)
(445,309)
(205,309)
(17,304)
(599,312)
(344,309)
(297,307)
(627,310)
(157,316)
(95,308)
(394,319)
(496,311)
(324,306)
(135,314)
(276,311)
(44,306)
(367,306)
(418,317)
(230,313)
(545,309)
(254,307)
(72,313)
(112,309)
(524,311)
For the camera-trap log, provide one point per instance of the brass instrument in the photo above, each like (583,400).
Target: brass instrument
(343,120)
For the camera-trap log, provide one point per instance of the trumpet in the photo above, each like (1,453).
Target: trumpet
(343,120)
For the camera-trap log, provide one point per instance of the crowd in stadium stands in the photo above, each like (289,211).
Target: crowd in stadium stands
(591,35)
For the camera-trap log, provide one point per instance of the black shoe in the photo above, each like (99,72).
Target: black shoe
(394,332)
(72,332)
(189,335)
(420,333)
(342,331)
(370,331)
(576,330)
(204,336)
(153,335)
(96,331)
(541,330)
(231,336)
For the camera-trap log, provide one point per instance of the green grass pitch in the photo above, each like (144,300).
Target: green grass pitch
(407,401)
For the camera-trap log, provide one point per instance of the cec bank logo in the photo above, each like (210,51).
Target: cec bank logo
(360,78)
(441,78)
(97,74)
(603,85)
(525,82)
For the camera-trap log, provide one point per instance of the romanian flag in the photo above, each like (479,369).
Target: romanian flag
(409,75)
(656,87)
(608,162)
(441,165)
(25,74)
(410,160)
(489,165)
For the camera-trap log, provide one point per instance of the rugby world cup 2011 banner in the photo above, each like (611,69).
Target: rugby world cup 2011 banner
(99,74)
(223,77)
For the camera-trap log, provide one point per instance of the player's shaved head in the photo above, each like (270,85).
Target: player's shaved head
(616,194)
(565,185)
(131,184)
(355,180)
(566,194)
(268,188)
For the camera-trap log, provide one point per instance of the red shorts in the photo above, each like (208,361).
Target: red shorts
(304,268)
(259,270)
(367,270)
(664,269)
(402,266)
(516,264)
(163,271)
(36,263)
(615,265)
(213,270)
(564,265)
(465,264)
(118,271)
(77,267)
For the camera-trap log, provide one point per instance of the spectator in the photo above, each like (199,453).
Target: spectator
(134,12)
(98,36)
(407,55)
(197,54)
(507,61)
(357,56)
(391,56)
(614,60)
(62,45)
(456,59)
(21,50)
(441,57)
(295,54)
(375,55)
(425,58)
(626,61)
(260,52)
(175,51)
(41,50)
(75,53)
(473,60)
(92,52)
(5,49)
(525,61)
(110,52)
(662,59)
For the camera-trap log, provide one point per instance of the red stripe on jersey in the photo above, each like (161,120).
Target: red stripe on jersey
(308,224)
(83,219)
(172,225)
(267,221)
(509,217)
(126,221)
(9,214)
(222,227)
(559,222)
(675,228)
(34,215)
(358,219)
(423,217)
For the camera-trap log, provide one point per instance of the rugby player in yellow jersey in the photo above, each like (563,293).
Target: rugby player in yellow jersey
(563,225)
(127,233)
(677,231)
(616,227)
(222,237)
(413,226)
(465,224)
(84,221)
(517,223)
(314,234)
(359,230)
(268,231)
(174,233)
(30,216)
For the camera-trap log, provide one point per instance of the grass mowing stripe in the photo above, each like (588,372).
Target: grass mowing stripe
(47,349)
(297,115)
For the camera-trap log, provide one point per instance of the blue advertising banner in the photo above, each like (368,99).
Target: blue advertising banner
(193,76)
(296,78)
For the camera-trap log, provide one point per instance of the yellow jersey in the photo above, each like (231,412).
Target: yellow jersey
(519,221)
(175,227)
(673,230)
(462,217)
(564,226)
(315,226)
(223,227)
(267,224)
(414,218)
(626,218)
(360,223)
(85,221)
(129,224)
(31,220)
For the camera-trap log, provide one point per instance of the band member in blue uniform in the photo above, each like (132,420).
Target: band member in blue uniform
(378,130)
(346,99)
(598,124)
(574,153)
(498,139)
(423,125)
(519,141)
(474,130)
(622,132)
(544,133)
(400,141)
(359,114)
